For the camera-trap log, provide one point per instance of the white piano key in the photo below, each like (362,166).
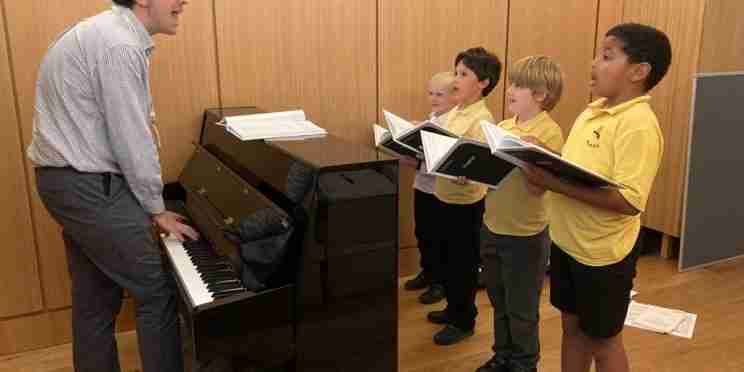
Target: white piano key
(186,271)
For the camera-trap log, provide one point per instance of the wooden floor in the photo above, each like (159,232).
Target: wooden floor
(716,294)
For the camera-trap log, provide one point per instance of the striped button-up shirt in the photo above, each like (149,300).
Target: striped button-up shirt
(93,104)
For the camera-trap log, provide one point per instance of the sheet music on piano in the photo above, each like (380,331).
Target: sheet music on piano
(283,125)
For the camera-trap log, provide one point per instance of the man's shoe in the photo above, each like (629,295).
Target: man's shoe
(434,294)
(451,335)
(495,364)
(419,282)
(438,317)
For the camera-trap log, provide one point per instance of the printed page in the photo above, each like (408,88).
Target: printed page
(662,320)
(279,116)
(274,129)
(436,147)
(397,125)
(499,138)
(381,134)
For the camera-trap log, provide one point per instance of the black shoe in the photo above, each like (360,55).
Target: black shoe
(434,294)
(438,317)
(451,335)
(494,364)
(419,282)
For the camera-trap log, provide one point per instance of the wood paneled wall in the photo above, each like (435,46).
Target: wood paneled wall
(318,55)
(19,269)
(565,31)
(722,47)
(682,22)
(184,83)
(32,25)
(342,62)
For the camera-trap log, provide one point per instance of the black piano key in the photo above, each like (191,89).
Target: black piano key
(208,262)
(216,280)
(195,244)
(219,287)
(206,267)
(219,284)
(204,256)
(201,254)
(227,293)
(217,270)
(217,273)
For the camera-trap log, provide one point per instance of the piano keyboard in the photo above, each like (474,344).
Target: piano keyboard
(205,275)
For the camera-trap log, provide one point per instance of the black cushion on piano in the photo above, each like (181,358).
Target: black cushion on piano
(263,238)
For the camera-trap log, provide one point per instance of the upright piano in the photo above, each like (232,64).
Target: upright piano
(297,264)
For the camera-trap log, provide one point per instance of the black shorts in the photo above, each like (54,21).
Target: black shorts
(599,296)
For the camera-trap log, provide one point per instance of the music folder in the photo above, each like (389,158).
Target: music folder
(460,157)
(384,141)
(519,152)
(408,135)
(489,162)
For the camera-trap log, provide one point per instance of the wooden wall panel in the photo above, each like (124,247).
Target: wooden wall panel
(317,55)
(19,271)
(50,328)
(609,13)
(681,20)
(565,31)
(722,48)
(419,38)
(184,83)
(28,44)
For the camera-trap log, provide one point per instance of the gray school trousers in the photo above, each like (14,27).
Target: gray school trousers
(110,247)
(515,271)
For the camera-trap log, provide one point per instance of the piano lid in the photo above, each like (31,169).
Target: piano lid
(271,161)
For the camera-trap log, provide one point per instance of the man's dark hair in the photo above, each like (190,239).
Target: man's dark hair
(484,64)
(125,3)
(645,44)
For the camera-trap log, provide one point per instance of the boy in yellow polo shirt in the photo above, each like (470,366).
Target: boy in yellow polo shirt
(514,238)
(593,260)
(477,72)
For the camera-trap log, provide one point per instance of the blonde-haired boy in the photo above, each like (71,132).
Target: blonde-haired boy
(514,238)
(426,206)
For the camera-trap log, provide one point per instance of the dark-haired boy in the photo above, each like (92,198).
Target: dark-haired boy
(477,72)
(593,260)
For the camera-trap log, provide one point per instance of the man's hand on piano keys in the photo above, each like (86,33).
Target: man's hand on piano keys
(172,223)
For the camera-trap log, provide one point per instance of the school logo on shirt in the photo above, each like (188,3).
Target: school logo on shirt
(593,140)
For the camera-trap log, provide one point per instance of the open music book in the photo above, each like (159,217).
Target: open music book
(460,157)
(408,135)
(283,125)
(511,148)
(384,141)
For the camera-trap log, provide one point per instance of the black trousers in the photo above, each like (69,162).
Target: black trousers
(459,240)
(427,210)
(110,247)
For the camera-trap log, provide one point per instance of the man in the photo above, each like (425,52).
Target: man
(98,174)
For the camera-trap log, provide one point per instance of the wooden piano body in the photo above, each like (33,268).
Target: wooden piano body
(331,304)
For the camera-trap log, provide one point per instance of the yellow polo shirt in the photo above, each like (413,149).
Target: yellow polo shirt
(625,144)
(511,209)
(464,122)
